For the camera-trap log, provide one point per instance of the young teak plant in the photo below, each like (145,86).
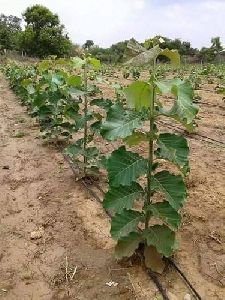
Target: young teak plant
(145,199)
(80,147)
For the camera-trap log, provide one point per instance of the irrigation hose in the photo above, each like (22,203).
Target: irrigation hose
(155,279)
(204,138)
(196,294)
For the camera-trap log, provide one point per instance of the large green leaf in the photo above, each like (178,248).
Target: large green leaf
(184,106)
(91,152)
(73,150)
(171,186)
(74,81)
(175,149)
(30,89)
(124,223)
(126,246)
(77,62)
(166,213)
(153,259)
(71,111)
(81,119)
(183,110)
(165,86)
(135,47)
(138,95)
(161,237)
(103,103)
(75,93)
(96,127)
(57,79)
(145,57)
(95,63)
(77,148)
(136,138)
(38,101)
(173,56)
(43,65)
(124,167)
(118,198)
(44,111)
(119,123)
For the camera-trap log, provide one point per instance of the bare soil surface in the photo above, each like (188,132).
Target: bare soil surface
(54,238)
(41,232)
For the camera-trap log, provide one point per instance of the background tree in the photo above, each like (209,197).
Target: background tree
(183,47)
(206,55)
(209,54)
(10,29)
(216,45)
(116,53)
(119,51)
(103,54)
(43,34)
(88,44)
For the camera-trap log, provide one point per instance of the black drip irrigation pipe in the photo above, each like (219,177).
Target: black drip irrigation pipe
(210,104)
(95,196)
(91,192)
(196,294)
(210,140)
(156,281)
(150,273)
(203,138)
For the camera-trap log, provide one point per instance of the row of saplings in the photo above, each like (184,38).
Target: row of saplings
(144,199)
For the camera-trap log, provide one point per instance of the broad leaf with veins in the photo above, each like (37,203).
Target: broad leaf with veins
(124,167)
(171,186)
(183,110)
(124,223)
(119,123)
(175,149)
(122,197)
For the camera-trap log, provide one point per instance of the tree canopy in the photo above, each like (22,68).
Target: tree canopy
(43,34)
(118,52)
(209,54)
(10,28)
(88,44)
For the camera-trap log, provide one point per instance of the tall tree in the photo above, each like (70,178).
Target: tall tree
(88,44)
(216,45)
(43,34)
(116,53)
(209,54)
(10,29)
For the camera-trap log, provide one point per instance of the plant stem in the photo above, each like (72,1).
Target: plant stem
(85,117)
(150,147)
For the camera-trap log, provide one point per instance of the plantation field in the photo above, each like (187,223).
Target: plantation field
(55,236)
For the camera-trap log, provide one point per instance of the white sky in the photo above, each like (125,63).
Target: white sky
(110,21)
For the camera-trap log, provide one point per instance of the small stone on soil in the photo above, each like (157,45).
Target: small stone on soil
(5,167)
(172,296)
(111,283)
(34,235)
